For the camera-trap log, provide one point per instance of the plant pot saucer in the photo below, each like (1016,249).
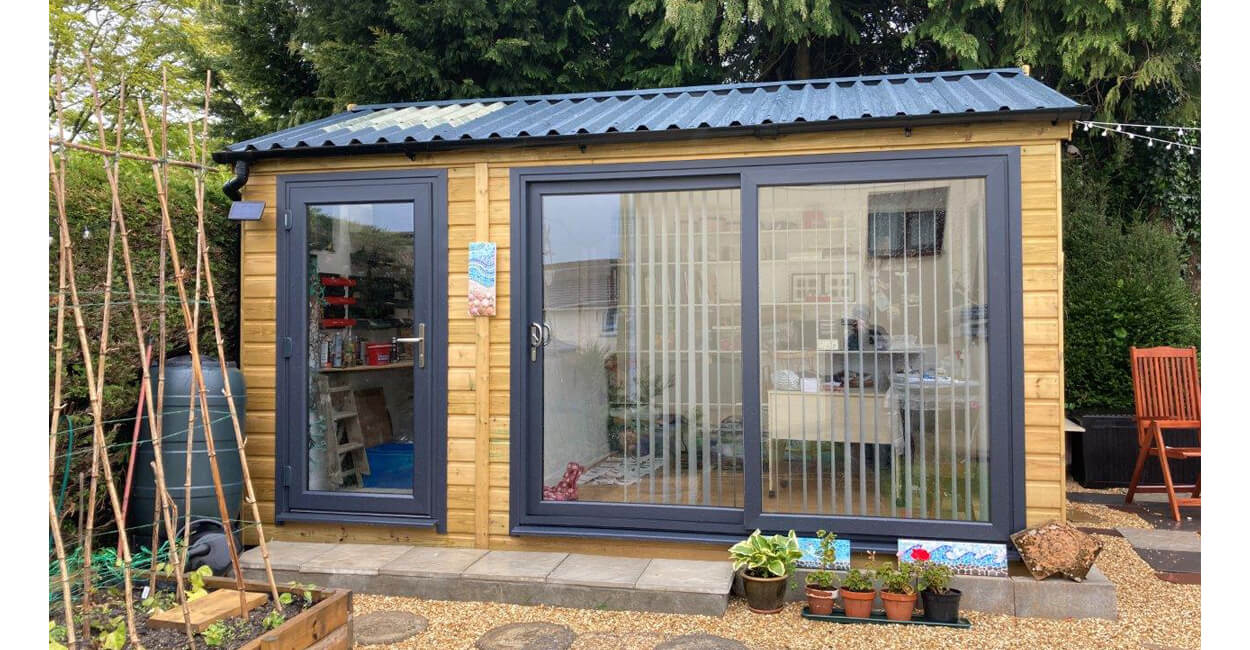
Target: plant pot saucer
(839,616)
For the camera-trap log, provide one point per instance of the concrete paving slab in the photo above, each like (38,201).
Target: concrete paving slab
(599,571)
(285,556)
(433,561)
(514,566)
(694,576)
(1171,561)
(1163,540)
(1059,597)
(354,559)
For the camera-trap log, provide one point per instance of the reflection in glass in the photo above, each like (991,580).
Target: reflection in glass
(642,377)
(872,349)
(360,389)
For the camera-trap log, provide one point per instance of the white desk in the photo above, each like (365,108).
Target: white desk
(827,417)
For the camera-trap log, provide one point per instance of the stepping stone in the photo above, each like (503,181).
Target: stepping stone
(1171,561)
(527,636)
(701,642)
(377,628)
(1163,540)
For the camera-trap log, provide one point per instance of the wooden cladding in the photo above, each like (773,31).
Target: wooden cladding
(478,351)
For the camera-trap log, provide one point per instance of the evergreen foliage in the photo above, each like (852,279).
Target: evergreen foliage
(1123,286)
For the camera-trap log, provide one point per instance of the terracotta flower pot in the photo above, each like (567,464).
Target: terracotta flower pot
(858,604)
(820,601)
(898,607)
(765,595)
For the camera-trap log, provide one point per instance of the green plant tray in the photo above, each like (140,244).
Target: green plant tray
(838,616)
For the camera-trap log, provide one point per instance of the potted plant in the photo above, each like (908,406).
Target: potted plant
(941,602)
(766,564)
(898,590)
(858,592)
(822,585)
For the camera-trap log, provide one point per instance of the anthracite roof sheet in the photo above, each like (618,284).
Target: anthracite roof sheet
(810,104)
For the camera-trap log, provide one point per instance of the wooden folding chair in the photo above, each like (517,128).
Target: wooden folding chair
(1167,395)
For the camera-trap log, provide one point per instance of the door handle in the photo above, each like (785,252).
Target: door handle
(418,340)
(546,334)
(536,340)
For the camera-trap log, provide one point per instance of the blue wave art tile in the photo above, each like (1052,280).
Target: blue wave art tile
(481,278)
(966,558)
(811,554)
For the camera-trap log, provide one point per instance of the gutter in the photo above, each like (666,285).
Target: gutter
(411,149)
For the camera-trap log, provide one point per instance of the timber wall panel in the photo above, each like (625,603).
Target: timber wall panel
(479,356)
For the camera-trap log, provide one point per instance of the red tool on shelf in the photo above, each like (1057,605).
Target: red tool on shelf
(345,300)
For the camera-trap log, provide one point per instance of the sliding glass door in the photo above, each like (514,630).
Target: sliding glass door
(872,353)
(778,344)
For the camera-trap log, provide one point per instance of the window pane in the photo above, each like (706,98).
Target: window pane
(360,389)
(872,364)
(642,377)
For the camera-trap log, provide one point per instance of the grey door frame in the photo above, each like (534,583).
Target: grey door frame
(427,505)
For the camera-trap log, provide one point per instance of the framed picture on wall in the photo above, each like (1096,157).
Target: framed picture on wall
(840,287)
(804,286)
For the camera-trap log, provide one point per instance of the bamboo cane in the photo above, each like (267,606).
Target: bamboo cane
(58,174)
(250,492)
(193,331)
(54,517)
(195,356)
(122,154)
(145,350)
(167,505)
(92,389)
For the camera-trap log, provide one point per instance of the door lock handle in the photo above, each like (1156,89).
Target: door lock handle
(418,340)
(536,340)
(546,334)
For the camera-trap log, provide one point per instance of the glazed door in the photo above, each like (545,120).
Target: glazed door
(362,351)
(702,351)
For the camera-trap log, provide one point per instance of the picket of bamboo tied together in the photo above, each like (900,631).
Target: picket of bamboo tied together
(170,264)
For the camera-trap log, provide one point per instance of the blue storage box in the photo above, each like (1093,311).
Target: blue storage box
(390,466)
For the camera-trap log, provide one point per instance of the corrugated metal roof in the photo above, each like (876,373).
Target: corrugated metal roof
(811,104)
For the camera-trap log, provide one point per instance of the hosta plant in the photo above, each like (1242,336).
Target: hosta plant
(761,556)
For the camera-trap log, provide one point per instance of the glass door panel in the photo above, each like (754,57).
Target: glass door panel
(641,345)
(360,376)
(873,361)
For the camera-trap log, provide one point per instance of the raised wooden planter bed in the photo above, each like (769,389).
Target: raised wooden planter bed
(327,625)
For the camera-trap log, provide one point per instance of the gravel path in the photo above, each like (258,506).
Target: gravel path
(1151,612)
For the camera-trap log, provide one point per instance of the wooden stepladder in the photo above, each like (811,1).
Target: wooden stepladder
(344,438)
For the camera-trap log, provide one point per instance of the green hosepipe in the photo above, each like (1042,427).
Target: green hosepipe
(60,499)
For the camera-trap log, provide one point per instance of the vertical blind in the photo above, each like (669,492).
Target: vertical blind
(872,355)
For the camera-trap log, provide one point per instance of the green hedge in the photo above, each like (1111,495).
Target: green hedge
(88,202)
(1123,287)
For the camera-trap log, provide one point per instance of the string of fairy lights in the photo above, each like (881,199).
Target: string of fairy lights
(1147,132)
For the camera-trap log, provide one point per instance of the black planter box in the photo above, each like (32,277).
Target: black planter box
(1104,455)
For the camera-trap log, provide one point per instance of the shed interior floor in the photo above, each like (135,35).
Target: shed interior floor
(802,487)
